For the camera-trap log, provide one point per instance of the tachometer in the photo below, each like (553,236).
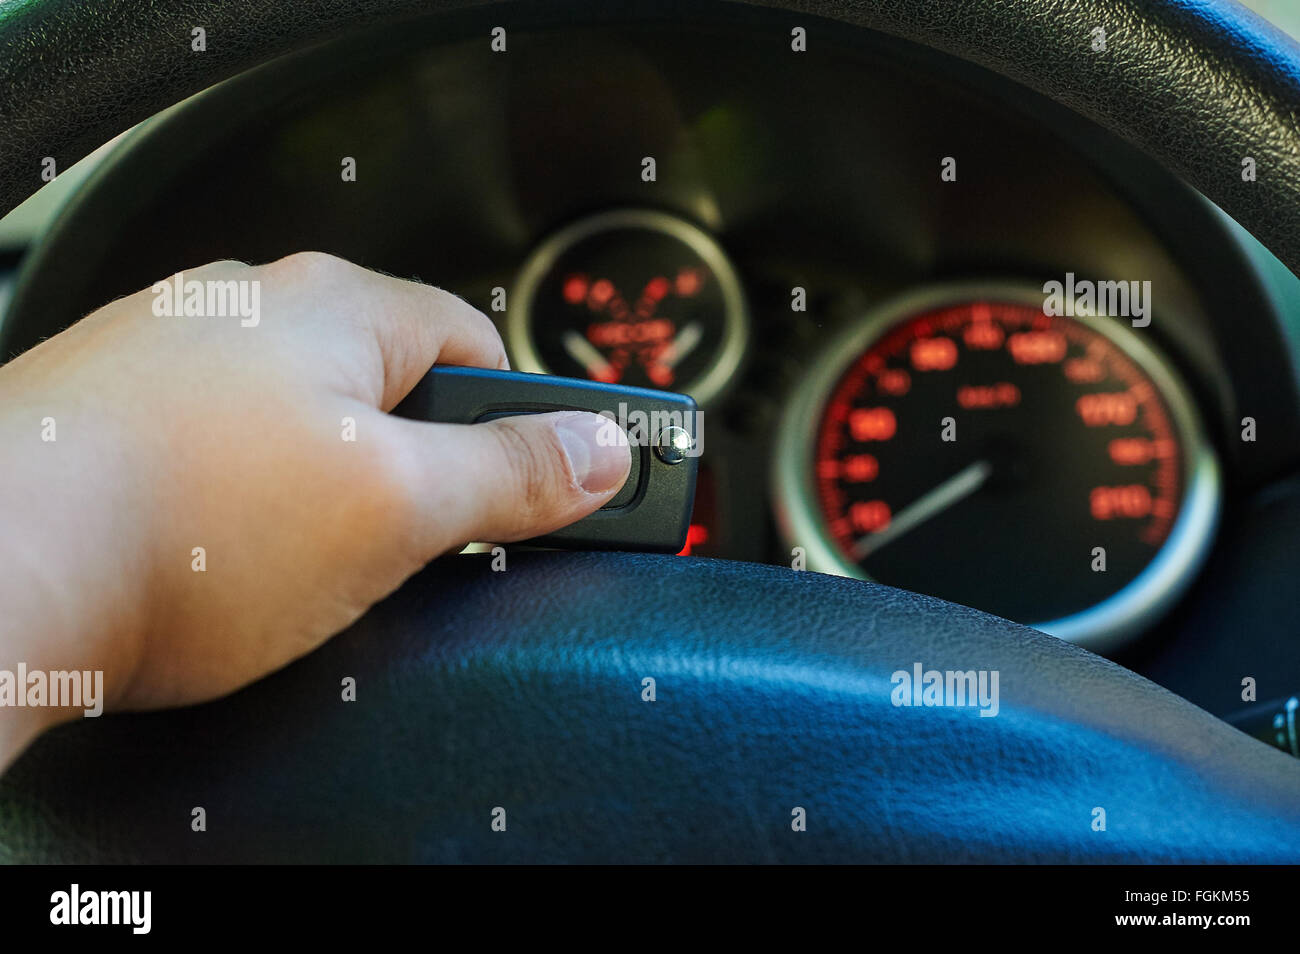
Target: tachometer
(632,296)
(964,444)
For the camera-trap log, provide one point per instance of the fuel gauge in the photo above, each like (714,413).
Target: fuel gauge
(635,297)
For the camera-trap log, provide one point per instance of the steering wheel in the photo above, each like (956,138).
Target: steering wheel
(613,706)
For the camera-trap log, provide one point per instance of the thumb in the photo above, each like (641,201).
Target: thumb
(518,477)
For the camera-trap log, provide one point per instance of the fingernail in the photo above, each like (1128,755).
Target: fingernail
(597,450)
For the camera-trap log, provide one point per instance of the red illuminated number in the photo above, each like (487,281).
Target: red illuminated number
(1108,503)
(975,396)
(611,334)
(934,354)
(869,516)
(983,336)
(1131,450)
(1036,347)
(1099,410)
(1139,450)
(860,468)
(872,424)
(894,381)
(1084,370)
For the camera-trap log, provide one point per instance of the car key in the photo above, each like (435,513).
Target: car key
(652,511)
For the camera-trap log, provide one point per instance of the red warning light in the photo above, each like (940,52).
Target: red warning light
(689,282)
(660,374)
(656,288)
(697,535)
(575,289)
(602,290)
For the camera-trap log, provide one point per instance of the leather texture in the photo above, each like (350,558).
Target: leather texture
(523,690)
(1198,84)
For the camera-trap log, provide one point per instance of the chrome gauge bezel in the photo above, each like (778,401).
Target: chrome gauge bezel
(735,336)
(1101,627)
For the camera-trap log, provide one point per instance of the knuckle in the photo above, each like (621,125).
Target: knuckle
(309,266)
(458,314)
(228,265)
(532,475)
(498,351)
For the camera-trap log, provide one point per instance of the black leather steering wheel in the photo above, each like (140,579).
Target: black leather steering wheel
(524,690)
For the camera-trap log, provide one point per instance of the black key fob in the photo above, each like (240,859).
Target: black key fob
(653,510)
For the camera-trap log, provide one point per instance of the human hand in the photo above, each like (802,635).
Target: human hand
(178,433)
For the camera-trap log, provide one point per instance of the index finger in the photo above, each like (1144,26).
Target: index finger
(413,325)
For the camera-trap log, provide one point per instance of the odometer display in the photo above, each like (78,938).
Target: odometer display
(1029,465)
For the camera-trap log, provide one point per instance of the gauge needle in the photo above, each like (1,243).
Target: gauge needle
(957,487)
(683,344)
(586,354)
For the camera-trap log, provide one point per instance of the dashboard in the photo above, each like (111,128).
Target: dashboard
(944,334)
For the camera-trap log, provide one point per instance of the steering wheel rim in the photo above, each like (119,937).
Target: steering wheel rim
(1196,84)
(543,712)
(467,718)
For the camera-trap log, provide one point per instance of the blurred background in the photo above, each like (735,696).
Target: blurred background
(1285,13)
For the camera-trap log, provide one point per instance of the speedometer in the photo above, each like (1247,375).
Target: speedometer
(964,444)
